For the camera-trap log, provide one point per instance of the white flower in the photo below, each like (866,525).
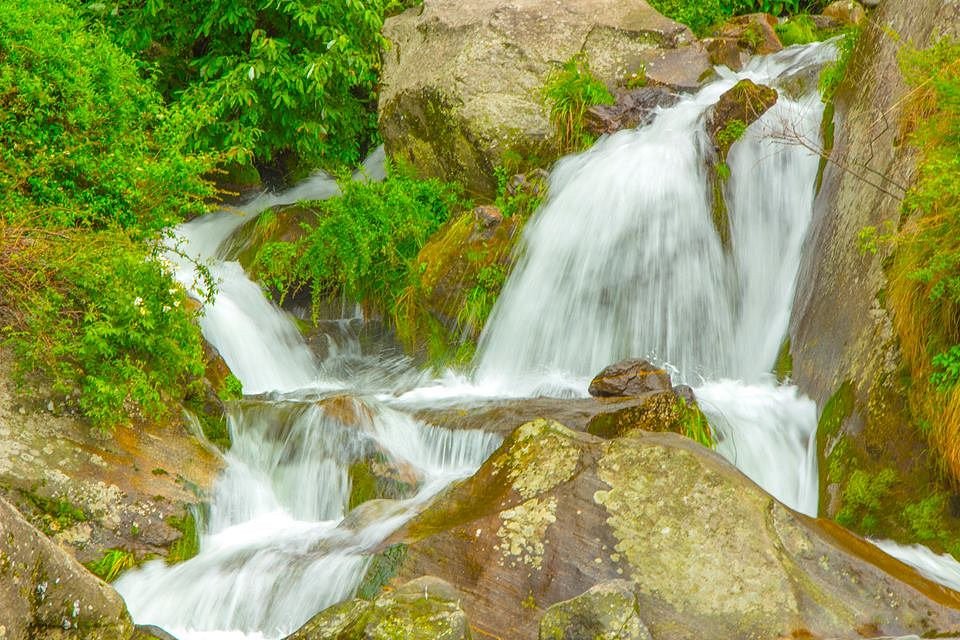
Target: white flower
(166,308)
(138,301)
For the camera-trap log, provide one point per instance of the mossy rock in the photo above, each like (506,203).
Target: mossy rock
(608,611)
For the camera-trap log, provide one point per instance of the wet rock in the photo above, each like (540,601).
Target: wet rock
(846,12)
(554,512)
(608,611)
(659,412)
(632,377)
(471,253)
(727,52)
(755,32)
(423,609)
(46,594)
(743,103)
(462,83)
(632,108)
(683,69)
(151,632)
(344,621)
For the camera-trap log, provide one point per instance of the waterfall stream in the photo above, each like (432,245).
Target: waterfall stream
(623,260)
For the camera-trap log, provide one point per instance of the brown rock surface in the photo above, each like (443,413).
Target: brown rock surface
(554,512)
(91,494)
(755,32)
(627,378)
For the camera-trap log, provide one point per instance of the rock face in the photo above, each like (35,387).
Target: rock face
(463,82)
(843,340)
(46,594)
(740,37)
(423,609)
(846,12)
(554,513)
(134,490)
(632,377)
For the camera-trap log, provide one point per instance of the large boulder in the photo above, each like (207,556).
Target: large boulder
(46,594)
(463,82)
(608,611)
(843,336)
(554,512)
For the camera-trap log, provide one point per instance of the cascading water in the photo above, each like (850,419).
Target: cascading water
(623,260)
(278,546)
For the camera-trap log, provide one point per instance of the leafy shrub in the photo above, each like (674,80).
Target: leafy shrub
(700,15)
(83,140)
(293,77)
(569,91)
(363,243)
(97,317)
(834,72)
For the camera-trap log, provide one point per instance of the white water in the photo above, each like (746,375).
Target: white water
(278,545)
(622,261)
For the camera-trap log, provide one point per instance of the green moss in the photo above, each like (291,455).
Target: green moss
(363,484)
(188,545)
(58,513)
(862,498)
(694,425)
(783,367)
(382,569)
(838,408)
(925,518)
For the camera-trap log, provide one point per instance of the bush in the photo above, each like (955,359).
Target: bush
(569,91)
(363,243)
(700,15)
(279,77)
(83,140)
(97,318)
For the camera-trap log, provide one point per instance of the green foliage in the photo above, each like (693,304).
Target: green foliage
(112,564)
(58,513)
(232,388)
(799,29)
(83,140)
(925,518)
(833,73)
(481,298)
(699,15)
(569,91)
(383,567)
(723,172)
(862,499)
(363,243)
(731,132)
(98,318)
(293,77)
(946,368)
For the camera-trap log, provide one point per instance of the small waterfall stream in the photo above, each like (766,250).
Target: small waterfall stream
(622,261)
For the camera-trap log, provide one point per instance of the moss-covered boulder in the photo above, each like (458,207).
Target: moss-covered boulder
(462,83)
(555,512)
(423,609)
(756,33)
(608,611)
(45,594)
(849,12)
(460,271)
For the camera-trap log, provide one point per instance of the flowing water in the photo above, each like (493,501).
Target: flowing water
(623,260)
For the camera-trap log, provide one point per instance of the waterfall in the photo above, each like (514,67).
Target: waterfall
(278,543)
(624,260)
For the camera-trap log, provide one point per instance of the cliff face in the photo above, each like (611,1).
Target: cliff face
(844,346)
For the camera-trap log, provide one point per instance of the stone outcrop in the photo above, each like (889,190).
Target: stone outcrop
(45,594)
(463,83)
(632,377)
(843,341)
(553,513)
(733,42)
(848,12)
(631,108)
(134,490)
(423,609)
